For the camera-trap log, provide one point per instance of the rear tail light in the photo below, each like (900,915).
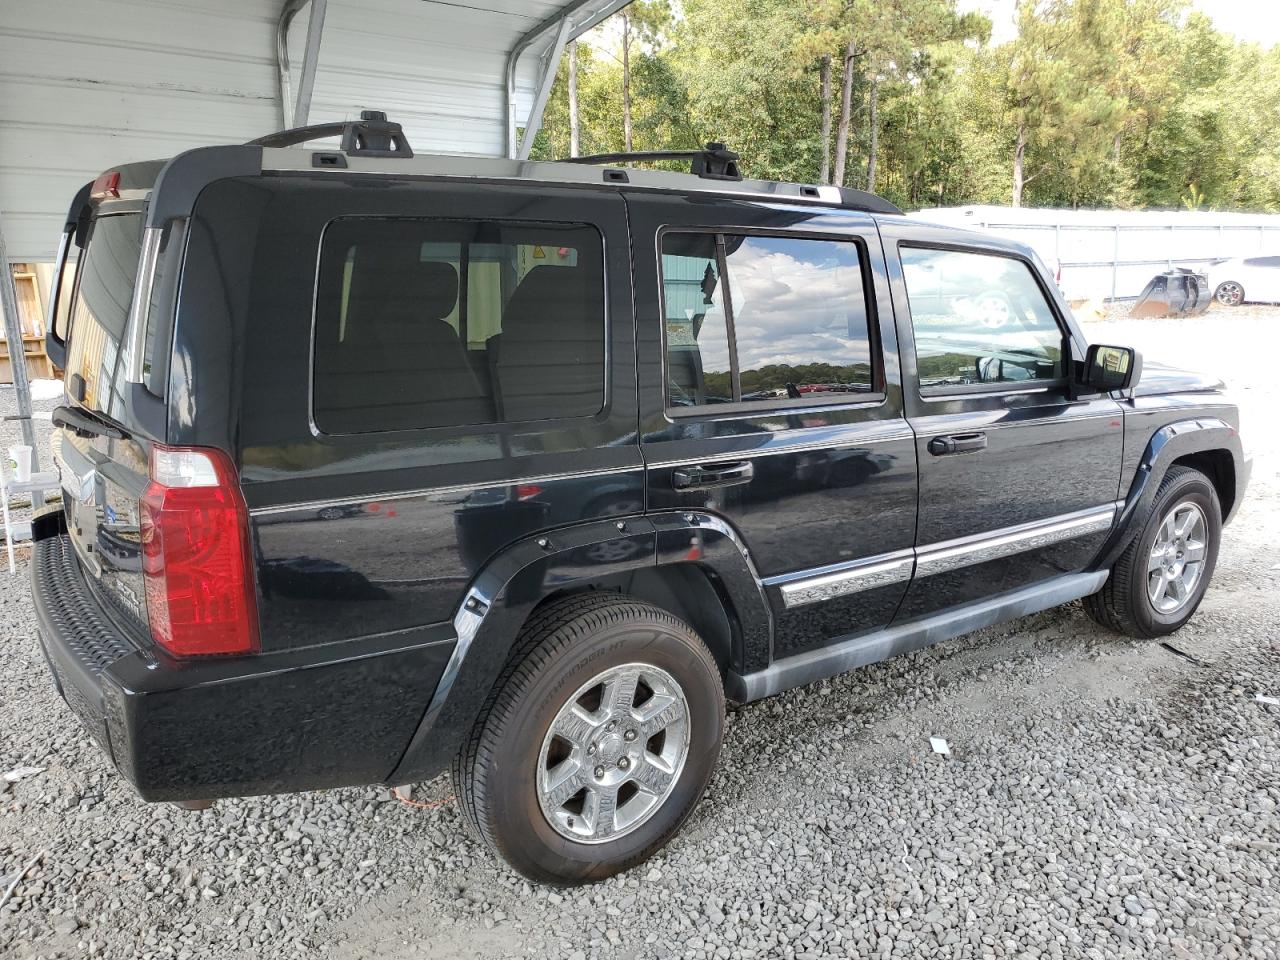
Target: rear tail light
(196,559)
(527,491)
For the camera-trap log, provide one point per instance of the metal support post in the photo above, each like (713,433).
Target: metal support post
(18,359)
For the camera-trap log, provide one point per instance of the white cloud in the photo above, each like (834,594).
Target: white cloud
(796,301)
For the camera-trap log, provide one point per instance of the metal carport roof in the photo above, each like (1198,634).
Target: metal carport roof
(89,84)
(86,84)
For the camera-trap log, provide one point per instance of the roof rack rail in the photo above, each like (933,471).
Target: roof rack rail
(852,199)
(712,162)
(373,135)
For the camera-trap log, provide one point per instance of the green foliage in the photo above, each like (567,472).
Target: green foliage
(1129,103)
(771,376)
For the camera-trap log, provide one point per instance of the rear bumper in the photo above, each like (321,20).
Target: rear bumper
(337,715)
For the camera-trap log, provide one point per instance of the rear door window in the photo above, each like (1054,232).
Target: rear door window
(106,275)
(790,327)
(433,323)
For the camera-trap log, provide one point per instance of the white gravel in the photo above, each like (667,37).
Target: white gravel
(1104,798)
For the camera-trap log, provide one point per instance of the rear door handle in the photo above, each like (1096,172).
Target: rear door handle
(957,443)
(716,475)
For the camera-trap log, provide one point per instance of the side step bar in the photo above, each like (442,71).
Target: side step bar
(846,655)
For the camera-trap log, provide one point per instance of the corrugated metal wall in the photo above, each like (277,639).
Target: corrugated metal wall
(86,84)
(389,55)
(1112,254)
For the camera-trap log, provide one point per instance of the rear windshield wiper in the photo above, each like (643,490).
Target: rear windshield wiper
(85,424)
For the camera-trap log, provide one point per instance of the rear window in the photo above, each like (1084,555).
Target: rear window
(107,271)
(434,323)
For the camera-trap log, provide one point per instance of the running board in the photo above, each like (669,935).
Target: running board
(847,655)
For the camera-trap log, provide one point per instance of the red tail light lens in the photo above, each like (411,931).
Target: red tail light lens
(196,559)
(106,186)
(527,491)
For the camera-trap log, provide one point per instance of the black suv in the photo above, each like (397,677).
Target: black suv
(375,464)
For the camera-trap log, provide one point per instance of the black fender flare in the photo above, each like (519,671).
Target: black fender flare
(515,580)
(1166,445)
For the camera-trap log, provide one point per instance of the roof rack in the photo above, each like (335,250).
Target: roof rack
(373,135)
(852,199)
(712,162)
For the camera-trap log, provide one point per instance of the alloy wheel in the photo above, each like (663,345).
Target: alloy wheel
(1176,562)
(613,753)
(1230,293)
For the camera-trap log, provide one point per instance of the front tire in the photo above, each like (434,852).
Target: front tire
(1229,293)
(1158,582)
(597,743)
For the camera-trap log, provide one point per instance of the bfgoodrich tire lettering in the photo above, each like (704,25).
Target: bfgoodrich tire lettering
(563,647)
(1124,604)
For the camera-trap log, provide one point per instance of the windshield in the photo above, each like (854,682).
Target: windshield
(100,310)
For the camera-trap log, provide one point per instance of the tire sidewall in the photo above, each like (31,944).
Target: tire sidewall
(1189,488)
(516,818)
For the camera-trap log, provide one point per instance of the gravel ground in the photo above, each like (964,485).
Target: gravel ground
(1104,798)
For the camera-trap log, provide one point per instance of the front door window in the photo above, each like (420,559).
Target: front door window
(979,319)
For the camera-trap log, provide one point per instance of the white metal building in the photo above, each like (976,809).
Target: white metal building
(86,84)
(1110,254)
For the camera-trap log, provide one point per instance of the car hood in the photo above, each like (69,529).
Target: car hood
(1159,378)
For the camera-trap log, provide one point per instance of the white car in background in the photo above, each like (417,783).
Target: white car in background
(1245,279)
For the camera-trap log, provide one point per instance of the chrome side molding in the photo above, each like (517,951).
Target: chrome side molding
(966,551)
(844,579)
(826,583)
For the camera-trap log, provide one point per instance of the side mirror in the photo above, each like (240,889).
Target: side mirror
(1108,368)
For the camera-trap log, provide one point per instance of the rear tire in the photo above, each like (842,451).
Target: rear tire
(637,706)
(1158,582)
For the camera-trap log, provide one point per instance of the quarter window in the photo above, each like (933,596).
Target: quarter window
(979,319)
(788,326)
(431,323)
(100,310)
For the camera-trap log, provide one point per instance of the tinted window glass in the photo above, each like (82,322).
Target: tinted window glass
(797,316)
(979,319)
(107,272)
(697,336)
(423,323)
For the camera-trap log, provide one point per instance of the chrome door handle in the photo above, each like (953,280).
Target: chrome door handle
(716,475)
(957,443)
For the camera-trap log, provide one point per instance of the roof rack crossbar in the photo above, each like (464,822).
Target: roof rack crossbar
(373,135)
(712,162)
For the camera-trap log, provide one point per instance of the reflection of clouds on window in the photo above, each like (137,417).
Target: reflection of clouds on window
(798,312)
(797,302)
